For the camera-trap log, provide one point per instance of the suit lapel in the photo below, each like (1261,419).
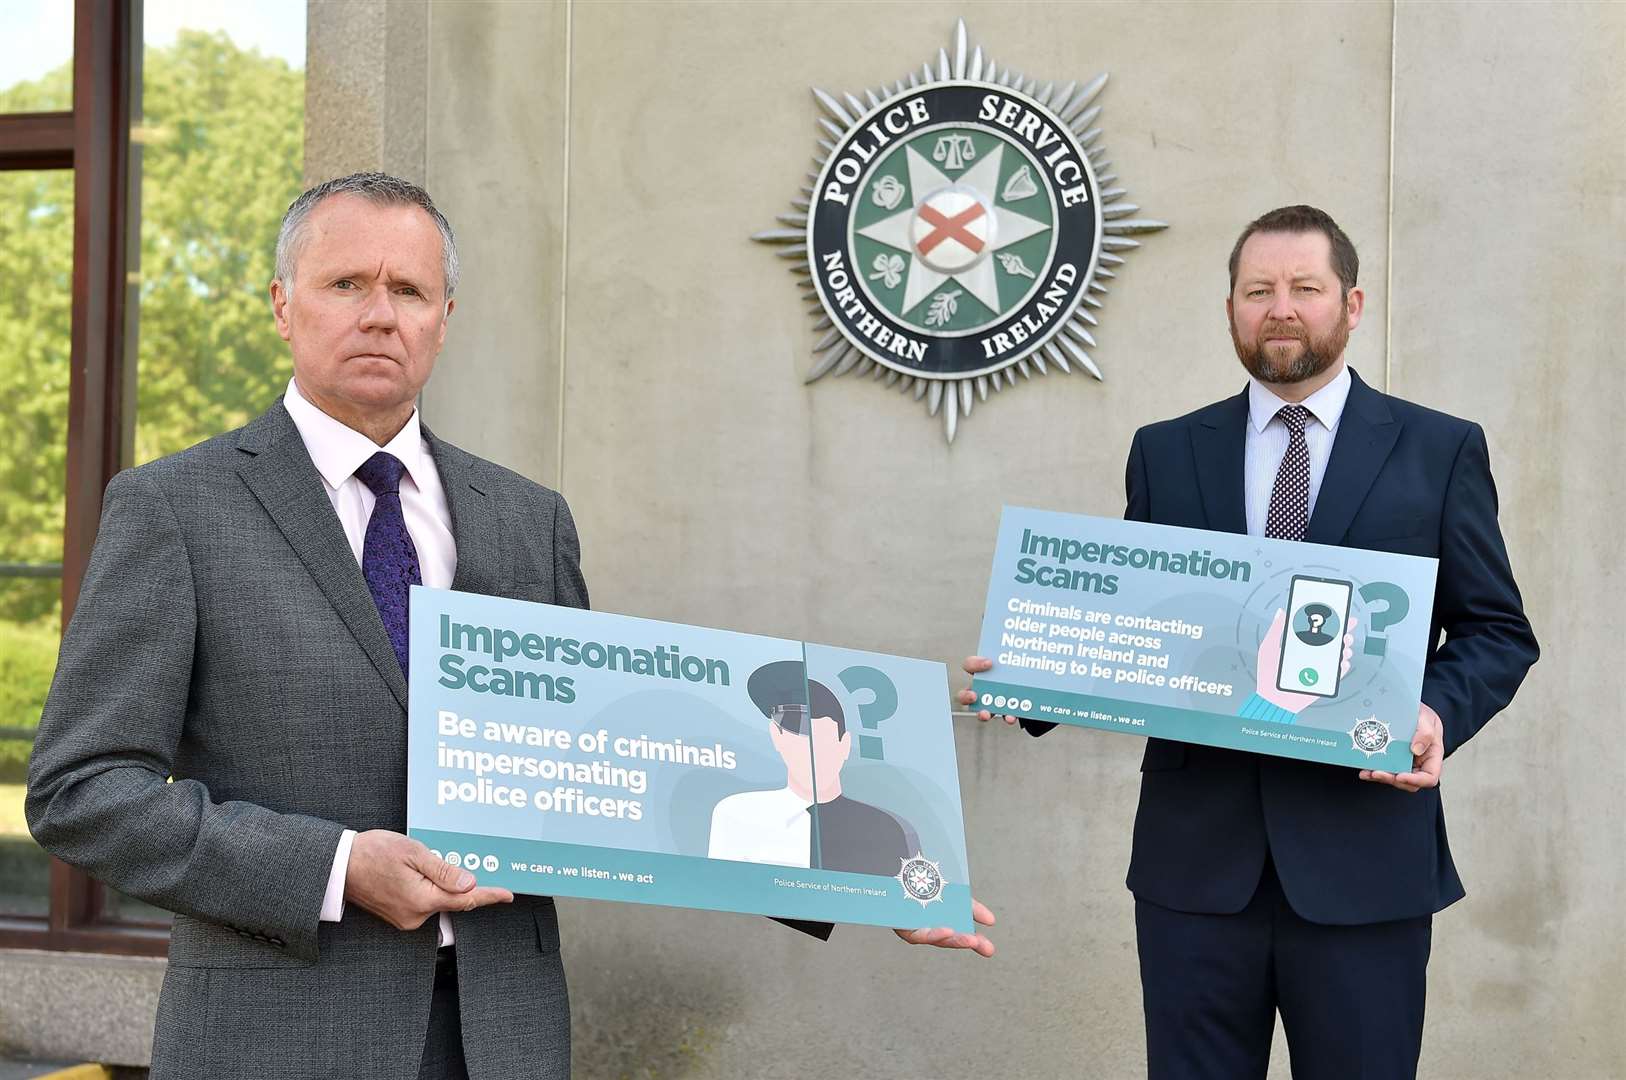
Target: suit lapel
(482,566)
(1218,438)
(1367,432)
(278,470)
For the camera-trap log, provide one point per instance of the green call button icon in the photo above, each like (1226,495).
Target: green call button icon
(1308,676)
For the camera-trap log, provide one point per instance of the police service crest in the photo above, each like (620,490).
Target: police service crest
(1370,736)
(958,231)
(922,879)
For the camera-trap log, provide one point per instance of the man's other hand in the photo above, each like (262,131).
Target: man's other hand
(396,878)
(976,665)
(1427,756)
(944,938)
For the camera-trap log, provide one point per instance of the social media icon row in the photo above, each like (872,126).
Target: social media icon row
(470,861)
(1024,706)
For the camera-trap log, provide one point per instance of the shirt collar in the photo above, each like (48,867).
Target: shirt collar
(338,451)
(1326,404)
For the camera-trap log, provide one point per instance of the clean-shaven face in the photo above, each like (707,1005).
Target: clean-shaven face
(365,315)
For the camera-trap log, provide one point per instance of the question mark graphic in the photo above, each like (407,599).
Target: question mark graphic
(1395,606)
(882,704)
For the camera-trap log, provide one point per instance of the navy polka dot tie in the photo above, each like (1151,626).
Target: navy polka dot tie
(389,562)
(1290,498)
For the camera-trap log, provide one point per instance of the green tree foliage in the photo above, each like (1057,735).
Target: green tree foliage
(218,153)
(36,298)
(223,138)
(27,655)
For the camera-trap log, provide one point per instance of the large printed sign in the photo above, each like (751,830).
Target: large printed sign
(577,753)
(1300,650)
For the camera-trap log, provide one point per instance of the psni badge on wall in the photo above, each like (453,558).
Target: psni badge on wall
(957,231)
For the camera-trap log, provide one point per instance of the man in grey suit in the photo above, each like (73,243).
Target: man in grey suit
(226,733)
(241,630)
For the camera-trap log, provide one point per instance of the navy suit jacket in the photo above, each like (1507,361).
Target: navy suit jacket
(1400,478)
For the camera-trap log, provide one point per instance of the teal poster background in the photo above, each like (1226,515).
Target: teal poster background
(577,753)
(1168,632)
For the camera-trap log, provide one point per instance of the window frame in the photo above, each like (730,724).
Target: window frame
(92,139)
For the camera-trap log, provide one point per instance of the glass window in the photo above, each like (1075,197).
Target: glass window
(218,134)
(36,56)
(218,156)
(216,97)
(36,298)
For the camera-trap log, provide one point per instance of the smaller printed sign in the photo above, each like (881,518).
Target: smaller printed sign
(1293,649)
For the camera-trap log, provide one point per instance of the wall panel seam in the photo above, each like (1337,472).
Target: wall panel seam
(423,172)
(1389,211)
(564,253)
(428,85)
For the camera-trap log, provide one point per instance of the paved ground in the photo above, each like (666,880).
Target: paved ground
(24,1069)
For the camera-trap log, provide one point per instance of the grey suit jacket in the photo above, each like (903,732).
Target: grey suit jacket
(224,636)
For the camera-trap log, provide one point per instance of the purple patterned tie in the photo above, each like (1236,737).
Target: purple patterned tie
(1290,499)
(389,562)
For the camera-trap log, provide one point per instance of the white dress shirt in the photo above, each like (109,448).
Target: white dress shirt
(1267,440)
(763,827)
(337,452)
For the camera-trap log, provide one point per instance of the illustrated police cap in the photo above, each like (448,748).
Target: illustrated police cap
(784,683)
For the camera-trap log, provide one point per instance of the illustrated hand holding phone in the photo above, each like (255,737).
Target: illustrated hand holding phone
(1304,658)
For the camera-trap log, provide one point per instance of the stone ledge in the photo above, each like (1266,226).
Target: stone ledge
(79,1006)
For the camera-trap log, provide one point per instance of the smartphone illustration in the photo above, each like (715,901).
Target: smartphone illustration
(1313,639)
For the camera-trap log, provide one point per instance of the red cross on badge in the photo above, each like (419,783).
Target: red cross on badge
(950,228)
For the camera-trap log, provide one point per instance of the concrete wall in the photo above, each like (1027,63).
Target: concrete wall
(1509,296)
(618,337)
(604,163)
(635,146)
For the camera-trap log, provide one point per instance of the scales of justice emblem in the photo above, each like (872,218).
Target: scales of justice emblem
(958,230)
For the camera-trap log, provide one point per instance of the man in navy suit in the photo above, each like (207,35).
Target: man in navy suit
(1259,883)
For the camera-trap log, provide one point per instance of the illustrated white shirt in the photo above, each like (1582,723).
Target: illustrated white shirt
(763,827)
(337,452)
(1267,439)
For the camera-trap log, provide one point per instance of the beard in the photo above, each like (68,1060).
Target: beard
(1290,364)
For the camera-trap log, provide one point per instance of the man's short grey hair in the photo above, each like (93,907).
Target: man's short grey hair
(380,189)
